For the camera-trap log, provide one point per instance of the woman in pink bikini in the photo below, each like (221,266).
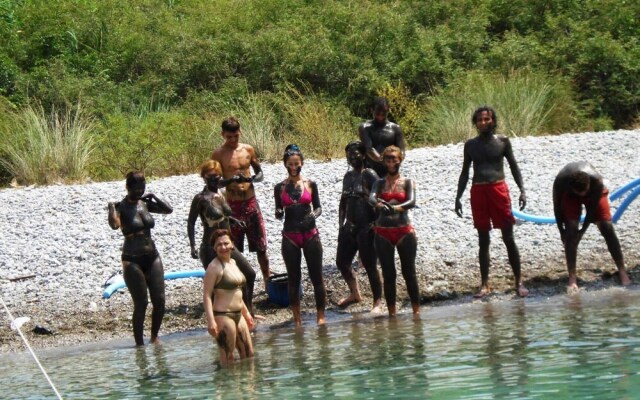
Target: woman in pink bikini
(393,196)
(297,200)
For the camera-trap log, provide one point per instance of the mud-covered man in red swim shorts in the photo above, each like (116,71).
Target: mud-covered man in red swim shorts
(577,184)
(490,201)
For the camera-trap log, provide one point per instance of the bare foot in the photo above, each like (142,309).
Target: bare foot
(484,291)
(415,308)
(624,278)
(522,291)
(377,308)
(347,301)
(392,311)
(321,321)
(572,288)
(155,340)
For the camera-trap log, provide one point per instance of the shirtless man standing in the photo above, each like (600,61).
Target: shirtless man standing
(236,159)
(490,201)
(379,133)
(576,184)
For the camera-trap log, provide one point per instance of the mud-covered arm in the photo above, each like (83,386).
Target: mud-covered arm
(156,205)
(559,186)
(342,209)
(373,196)
(315,199)
(365,138)
(410,202)
(515,171)
(114,215)
(194,212)
(463,179)
(257,168)
(399,138)
(277,190)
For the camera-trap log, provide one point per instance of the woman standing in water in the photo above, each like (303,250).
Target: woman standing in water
(214,214)
(393,196)
(141,264)
(228,318)
(298,201)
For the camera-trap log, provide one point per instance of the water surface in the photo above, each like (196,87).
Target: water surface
(585,346)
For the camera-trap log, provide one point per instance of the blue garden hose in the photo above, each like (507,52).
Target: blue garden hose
(196,273)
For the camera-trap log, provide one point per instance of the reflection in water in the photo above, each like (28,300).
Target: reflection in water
(568,347)
(506,346)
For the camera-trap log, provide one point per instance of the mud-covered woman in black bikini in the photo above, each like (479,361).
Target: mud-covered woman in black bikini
(141,264)
(215,213)
(355,219)
(393,196)
(297,200)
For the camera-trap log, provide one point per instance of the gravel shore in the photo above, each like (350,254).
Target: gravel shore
(58,250)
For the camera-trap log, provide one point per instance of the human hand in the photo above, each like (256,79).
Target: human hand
(522,201)
(148,197)
(194,252)
(238,178)
(309,219)
(250,321)
(213,330)
(458,208)
(241,224)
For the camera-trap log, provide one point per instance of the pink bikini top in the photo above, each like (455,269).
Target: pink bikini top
(288,201)
(400,197)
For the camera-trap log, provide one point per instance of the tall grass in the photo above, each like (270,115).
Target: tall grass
(321,128)
(260,125)
(526,104)
(48,148)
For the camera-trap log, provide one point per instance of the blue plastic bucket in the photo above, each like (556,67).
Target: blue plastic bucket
(278,289)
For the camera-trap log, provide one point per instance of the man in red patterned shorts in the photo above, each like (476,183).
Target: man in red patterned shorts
(490,201)
(237,159)
(578,184)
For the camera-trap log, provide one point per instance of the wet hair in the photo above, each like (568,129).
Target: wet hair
(380,102)
(480,110)
(392,149)
(357,144)
(218,233)
(292,150)
(578,181)
(230,124)
(134,177)
(210,165)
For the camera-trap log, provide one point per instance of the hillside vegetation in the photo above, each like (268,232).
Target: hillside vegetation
(94,88)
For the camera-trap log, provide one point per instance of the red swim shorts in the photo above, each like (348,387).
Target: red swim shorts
(491,204)
(248,211)
(572,206)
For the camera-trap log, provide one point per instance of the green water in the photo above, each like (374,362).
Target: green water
(586,346)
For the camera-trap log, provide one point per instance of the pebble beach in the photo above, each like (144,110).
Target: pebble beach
(58,250)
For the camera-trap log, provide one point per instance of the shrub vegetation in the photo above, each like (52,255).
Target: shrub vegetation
(156,77)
